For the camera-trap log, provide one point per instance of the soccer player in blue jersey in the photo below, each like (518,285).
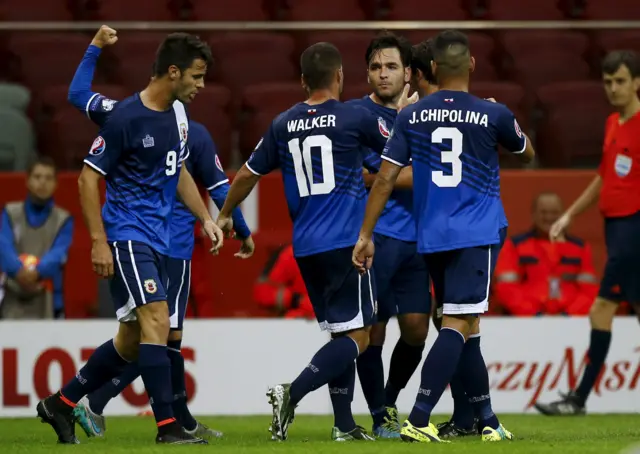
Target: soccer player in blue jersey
(401,275)
(452,139)
(205,165)
(319,145)
(139,152)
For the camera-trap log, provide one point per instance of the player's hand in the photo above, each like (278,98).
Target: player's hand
(493,100)
(405,99)
(362,256)
(246,249)
(226,225)
(106,36)
(556,232)
(215,235)
(102,259)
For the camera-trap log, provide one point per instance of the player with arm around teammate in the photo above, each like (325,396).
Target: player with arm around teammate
(616,187)
(452,139)
(401,275)
(204,164)
(319,146)
(140,152)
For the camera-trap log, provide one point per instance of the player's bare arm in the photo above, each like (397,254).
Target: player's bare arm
(529,153)
(382,188)
(240,188)
(105,36)
(588,197)
(89,189)
(190,196)
(404,181)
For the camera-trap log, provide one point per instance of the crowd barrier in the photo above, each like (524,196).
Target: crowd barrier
(266,211)
(230,364)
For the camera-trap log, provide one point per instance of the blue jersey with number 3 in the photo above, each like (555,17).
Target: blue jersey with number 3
(140,153)
(320,151)
(453,139)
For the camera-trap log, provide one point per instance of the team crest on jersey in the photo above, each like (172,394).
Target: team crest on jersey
(382,127)
(184,132)
(98,146)
(150,286)
(517,128)
(219,164)
(107,104)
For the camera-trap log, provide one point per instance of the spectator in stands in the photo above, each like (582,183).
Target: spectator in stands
(536,277)
(281,288)
(35,236)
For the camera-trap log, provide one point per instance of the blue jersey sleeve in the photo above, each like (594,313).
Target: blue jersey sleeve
(374,133)
(96,106)
(372,161)
(510,135)
(264,158)
(397,150)
(108,146)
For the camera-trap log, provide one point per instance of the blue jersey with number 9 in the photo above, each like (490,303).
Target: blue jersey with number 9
(453,139)
(140,153)
(320,150)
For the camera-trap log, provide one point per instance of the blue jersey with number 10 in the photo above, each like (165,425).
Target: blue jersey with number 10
(453,138)
(320,150)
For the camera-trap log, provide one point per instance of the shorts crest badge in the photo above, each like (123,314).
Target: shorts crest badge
(150,286)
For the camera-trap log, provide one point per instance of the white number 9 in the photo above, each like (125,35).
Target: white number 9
(172,163)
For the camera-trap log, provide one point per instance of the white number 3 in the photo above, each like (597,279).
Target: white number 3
(172,163)
(448,157)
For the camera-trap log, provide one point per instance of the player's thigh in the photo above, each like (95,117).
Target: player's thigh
(139,278)
(387,262)
(410,284)
(178,288)
(345,298)
(462,277)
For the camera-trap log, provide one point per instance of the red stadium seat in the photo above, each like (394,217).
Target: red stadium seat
(252,130)
(275,96)
(325,10)
(426,10)
(69,149)
(524,10)
(618,39)
(572,136)
(536,43)
(134,74)
(49,10)
(573,94)
(138,10)
(218,123)
(34,51)
(535,72)
(141,46)
(352,46)
(55,98)
(236,10)
(613,10)
(214,95)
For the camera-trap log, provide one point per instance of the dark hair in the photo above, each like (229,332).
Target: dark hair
(422,55)
(618,58)
(389,40)
(451,53)
(318,64)
(180,49)
(44,161)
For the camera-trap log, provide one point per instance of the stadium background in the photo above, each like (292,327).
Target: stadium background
(546,70)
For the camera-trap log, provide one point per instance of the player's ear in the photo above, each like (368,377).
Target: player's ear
(407,74)
(339,76)
(434,67)
(174,72)
(472,65)
(636,84)
(304,84)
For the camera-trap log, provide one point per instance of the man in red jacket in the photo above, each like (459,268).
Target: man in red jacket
(535,276)
(281,288)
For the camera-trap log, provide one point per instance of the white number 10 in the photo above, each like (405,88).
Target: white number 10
(448,157)
(306,185)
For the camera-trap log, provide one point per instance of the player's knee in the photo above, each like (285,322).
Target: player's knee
(461,323)
(378,334)
(414,328)
(175,335)
(127,340)
(360,337)
(602,313)
(154,322)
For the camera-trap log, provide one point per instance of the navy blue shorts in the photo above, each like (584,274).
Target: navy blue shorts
(462,277)
(402,279)
(621,277)
(178,287)
(342,299)
(140,277)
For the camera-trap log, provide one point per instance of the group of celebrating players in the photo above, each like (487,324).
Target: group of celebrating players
(433,214)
